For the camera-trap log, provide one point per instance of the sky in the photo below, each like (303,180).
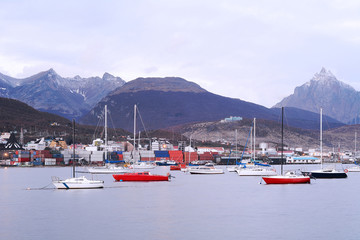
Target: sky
(257,51)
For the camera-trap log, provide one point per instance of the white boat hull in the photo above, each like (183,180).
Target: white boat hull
(202,171)
(106,170)
(256,172)
(232,169)
(143,166)
(77,183)
(354,169)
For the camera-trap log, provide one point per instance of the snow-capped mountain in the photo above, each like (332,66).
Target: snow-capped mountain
(68,97)
(338,100)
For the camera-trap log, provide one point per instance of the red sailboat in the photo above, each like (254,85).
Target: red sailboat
(287,178)
(290,177)
(141,177)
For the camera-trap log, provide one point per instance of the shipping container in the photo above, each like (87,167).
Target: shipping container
(22,159)
(190,156)
(176,156)
(37,163)
(161,154)
(206,156)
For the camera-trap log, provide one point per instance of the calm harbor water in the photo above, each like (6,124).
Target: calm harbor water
(189,207)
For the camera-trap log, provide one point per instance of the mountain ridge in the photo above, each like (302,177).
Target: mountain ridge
(166,84)
(68,97)
(186,104)
(338,99)
(167,101)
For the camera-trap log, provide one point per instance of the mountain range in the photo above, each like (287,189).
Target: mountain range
(165,102)
(16,115)
(67,97)
(338,99)
(162,102)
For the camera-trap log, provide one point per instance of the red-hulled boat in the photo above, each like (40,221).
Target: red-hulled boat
(141,177)
(288,178)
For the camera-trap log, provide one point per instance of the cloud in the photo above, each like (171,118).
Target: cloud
(257,51)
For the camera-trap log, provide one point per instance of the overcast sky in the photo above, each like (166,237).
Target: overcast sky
(258,51)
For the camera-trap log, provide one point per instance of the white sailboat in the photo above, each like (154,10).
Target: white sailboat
(136,164)
(355,168)
(234,168)
(255,170)
(108,168)
(76,182)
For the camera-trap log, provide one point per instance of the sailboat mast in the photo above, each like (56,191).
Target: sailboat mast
(236,155)
(254,138)
(251,142)
(355,137)
(139,139)
(355,145)
(106,136)
(321,150)
(134,127)
(189,150)
(106,125)
(22,137)
(282,138)
(73,173)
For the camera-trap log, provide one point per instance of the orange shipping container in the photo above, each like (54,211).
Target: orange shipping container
(190,157)
(176,156)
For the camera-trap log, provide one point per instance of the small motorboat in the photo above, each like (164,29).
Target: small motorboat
(356,168)
(208,168)
(143,165)
(256,171)
(107,169)
(141,177)
(77,183)
(166,163)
